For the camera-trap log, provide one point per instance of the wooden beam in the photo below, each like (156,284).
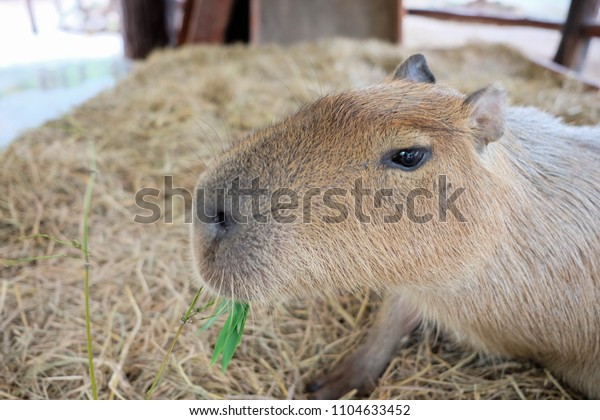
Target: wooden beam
(185,22)
(574,43)
(565,73)
(254,23)
(482,18)
(206,21)
(591,30)
(144,27)
(399,21)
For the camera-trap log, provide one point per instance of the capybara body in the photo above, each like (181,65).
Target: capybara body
(478,217)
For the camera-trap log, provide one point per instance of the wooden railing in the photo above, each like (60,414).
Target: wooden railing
(581,25)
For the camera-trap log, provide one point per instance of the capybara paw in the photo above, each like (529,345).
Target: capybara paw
(339,382)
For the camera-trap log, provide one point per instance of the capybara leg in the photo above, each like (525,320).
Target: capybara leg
(361,369)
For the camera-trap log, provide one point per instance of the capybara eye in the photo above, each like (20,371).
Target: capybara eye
(409,159)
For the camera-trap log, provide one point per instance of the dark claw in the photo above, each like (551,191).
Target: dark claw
(313,387)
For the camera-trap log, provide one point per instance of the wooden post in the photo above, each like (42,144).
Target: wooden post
(254,22)
(144,26)
(574,43)
(288,21)
(399,21)
(185,22)
(205,21)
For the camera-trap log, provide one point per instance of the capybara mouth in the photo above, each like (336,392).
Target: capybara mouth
(232,269)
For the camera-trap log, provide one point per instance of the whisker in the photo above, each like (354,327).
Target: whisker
(189,146)
(216,134)
(297,98)
(227,132)
(204,133)
(314,69)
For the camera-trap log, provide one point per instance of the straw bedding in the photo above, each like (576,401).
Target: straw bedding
(171,116)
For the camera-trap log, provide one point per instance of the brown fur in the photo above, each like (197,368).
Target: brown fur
(519,277)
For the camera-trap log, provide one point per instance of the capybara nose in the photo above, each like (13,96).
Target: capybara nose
(213,214)
(222,222)
(218,219)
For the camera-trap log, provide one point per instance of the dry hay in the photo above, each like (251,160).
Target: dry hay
(175,111)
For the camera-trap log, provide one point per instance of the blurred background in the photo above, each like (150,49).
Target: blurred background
(55,54)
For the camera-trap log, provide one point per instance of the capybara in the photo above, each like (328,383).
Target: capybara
(481,218)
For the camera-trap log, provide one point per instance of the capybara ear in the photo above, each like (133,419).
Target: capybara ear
(487,112)
(415,68)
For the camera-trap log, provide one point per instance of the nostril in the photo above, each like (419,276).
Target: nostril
(221,220)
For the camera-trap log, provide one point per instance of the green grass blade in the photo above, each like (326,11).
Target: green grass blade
(242,323)
(221,340)
(229,350)
(87,204)
(231,334)
(10,263)
(184,319)
(223,307)
(72,243)
(191,310)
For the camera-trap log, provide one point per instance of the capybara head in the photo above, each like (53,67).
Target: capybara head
(382,186)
